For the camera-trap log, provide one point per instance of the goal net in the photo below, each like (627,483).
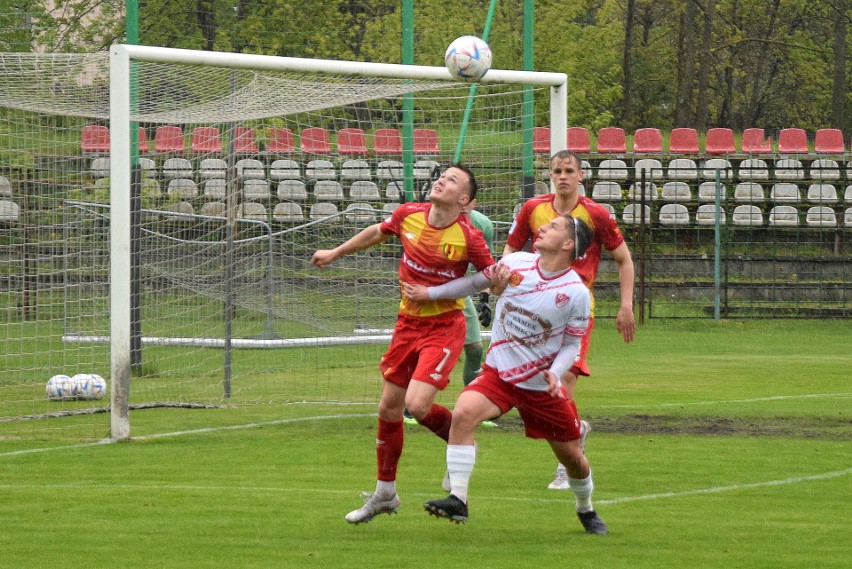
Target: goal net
(170,251)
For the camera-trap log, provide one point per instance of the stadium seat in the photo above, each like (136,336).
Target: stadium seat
(360,213)
(648,169)
(789,169)
(541,188)
(94,138)
(753,169)
(706,214)
(748,215)
(676,192)
(389,170)
(215,189)
(749,192)
(792,141)
(252,210)
(9,211)
(280,141)
(184,208)
(322,210)
(364,191)
(647,141)
(143,140)
(256,190)
(177,168)
(351,142)
(541,140)
(578,140)
(682,169)
(387,142)
(606,191)
(426,142)
(755,142)
(822,193)
(847,217)
(707,192)
(632,212)
(182,188)
(674,214)
(285,169)
(720,141)
(148,167)
(612,169)
(394,192)
(251,168)
(355,169)
(168,139)
(100,167)
(824,169)
(847,196)
(329,191)
(389,208)
(821,216)
(784,192)
(206,140)
(783,216)
(320,169)
(212,168)
(5,187)
(611,140)
(214,209)
(288,212)
(315,140)
(683,141)
(829,141)
(720,165)
(245,140)
(292,191)
(423,169)
(649,189)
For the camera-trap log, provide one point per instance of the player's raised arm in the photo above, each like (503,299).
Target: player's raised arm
(364,239)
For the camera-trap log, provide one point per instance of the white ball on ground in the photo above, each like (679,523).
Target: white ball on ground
(60,387)
(90,386)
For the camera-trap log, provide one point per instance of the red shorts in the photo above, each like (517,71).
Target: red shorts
(424,349)
(580,368)
(544,416)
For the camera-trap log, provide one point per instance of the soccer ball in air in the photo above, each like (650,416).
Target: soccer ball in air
(468,58)
(89,385)
(60,387)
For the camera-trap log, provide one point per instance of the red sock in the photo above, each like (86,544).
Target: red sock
(388,449)
(438,421)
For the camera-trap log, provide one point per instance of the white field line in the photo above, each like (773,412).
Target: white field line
(726,401)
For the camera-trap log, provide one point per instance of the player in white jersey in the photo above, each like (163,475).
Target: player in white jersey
(540,319)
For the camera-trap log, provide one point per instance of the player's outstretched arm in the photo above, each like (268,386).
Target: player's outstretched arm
(364,239)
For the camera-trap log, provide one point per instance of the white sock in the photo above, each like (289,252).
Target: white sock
(460,461)
(582,488)
(386,489)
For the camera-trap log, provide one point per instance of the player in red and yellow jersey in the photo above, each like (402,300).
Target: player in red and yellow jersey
(438,244)
(566,174)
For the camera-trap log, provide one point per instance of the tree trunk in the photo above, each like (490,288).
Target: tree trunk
(705,67)
(686,67)
(838,79)
(627,58)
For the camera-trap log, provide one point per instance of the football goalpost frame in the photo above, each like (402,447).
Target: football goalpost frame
(121,117)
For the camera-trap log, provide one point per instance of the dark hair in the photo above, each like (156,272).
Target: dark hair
(474,187)
(581,233)
(565,154)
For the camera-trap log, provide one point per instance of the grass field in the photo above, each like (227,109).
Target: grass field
(722,444)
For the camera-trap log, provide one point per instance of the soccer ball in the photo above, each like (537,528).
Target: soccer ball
(61,387)
(468,58)
(89,385)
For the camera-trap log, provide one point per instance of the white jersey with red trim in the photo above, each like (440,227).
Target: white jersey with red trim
(535,317)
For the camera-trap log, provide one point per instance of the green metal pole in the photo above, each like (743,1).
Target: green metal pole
(408,102)
(717,246)
(469,107)
(528,120)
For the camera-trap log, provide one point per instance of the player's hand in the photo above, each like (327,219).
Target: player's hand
(500,278)
(416,292)
(484,310)
(554,386)
(626,324)
(323,257)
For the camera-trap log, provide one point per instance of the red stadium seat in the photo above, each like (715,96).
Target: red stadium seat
(793,141)
(315,140)
(426,142)
(280,141)
(611,140)
(755,142)
(245,141)
(94,138)
(143,140)
(387,141)
(578,140)
(541,140)
(684,141)
(720,141)
(351,141)
(829,141)
(168,139)
(648,141)
(206,139)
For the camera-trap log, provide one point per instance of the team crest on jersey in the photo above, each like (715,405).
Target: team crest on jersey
(515,278)
(562,299)
(450,251)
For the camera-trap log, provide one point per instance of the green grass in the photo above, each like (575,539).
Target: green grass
(714,445)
